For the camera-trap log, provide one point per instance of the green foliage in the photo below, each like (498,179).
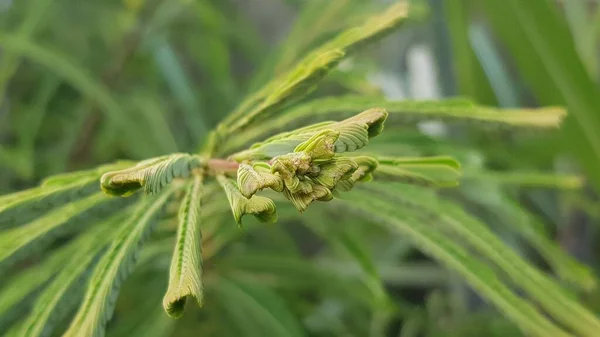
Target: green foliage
(186,268)
(77,260)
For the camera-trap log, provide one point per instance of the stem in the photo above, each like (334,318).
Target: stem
(222,166)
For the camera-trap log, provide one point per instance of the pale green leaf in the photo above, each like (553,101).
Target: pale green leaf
(354,133)
(186,266)
(151,174)
(262,208)
(113,267)
(256,177)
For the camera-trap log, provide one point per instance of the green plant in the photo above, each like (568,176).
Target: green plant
(183,213)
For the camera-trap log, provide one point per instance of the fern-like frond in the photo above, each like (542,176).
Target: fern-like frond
(428,171)
(185,277)
(401,113)
(256,177)
(64,293)
(261,207)
(114,266)
(477,274)
(151,174)
(561,304)
(352,134)
(55,191)
(18,243)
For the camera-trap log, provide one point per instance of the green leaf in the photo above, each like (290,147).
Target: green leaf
(65,291)
(63,67)
(543,50)
(308,72)
(256,177)
(263,306)
(55,191)
(428,171)
(113,267)
(354,133)
(262,208)
(403,113)
(18,243)
(447,252)
(17,293)
(561,304)
(186,266)
(151,174)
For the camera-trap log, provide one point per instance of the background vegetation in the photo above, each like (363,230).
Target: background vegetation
(87,82)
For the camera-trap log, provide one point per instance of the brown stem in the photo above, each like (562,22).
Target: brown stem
(222,165)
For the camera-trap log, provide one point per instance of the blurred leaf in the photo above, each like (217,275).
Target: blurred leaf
(542,48)
(470,77)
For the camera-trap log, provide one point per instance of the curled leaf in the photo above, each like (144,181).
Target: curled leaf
(354,133)
(366,166)
(262,208)
(254,178)
(320,146)
(185,278)
(302,200)
(331,173)
(151,174)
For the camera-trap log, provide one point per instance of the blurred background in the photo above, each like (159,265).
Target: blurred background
(87,82)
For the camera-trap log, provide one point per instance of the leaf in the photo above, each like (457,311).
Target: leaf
(256,177)
(262,208)
(16,244)
(113,267)
(561,304)
(265,307)
(476,273)
(151,174)
(309,71)
(55,191)
(186,266)
(354,133)
(543,50)
(402,113)
(18,291)
(427,171)
(63,67)
(65,291)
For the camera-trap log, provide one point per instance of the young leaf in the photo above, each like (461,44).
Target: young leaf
(256,177)
(151,174)
(427,171)
(262,208)
(114,266)
(186,266)
(19,242)
(354,133)
(64,293)
(476,273)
